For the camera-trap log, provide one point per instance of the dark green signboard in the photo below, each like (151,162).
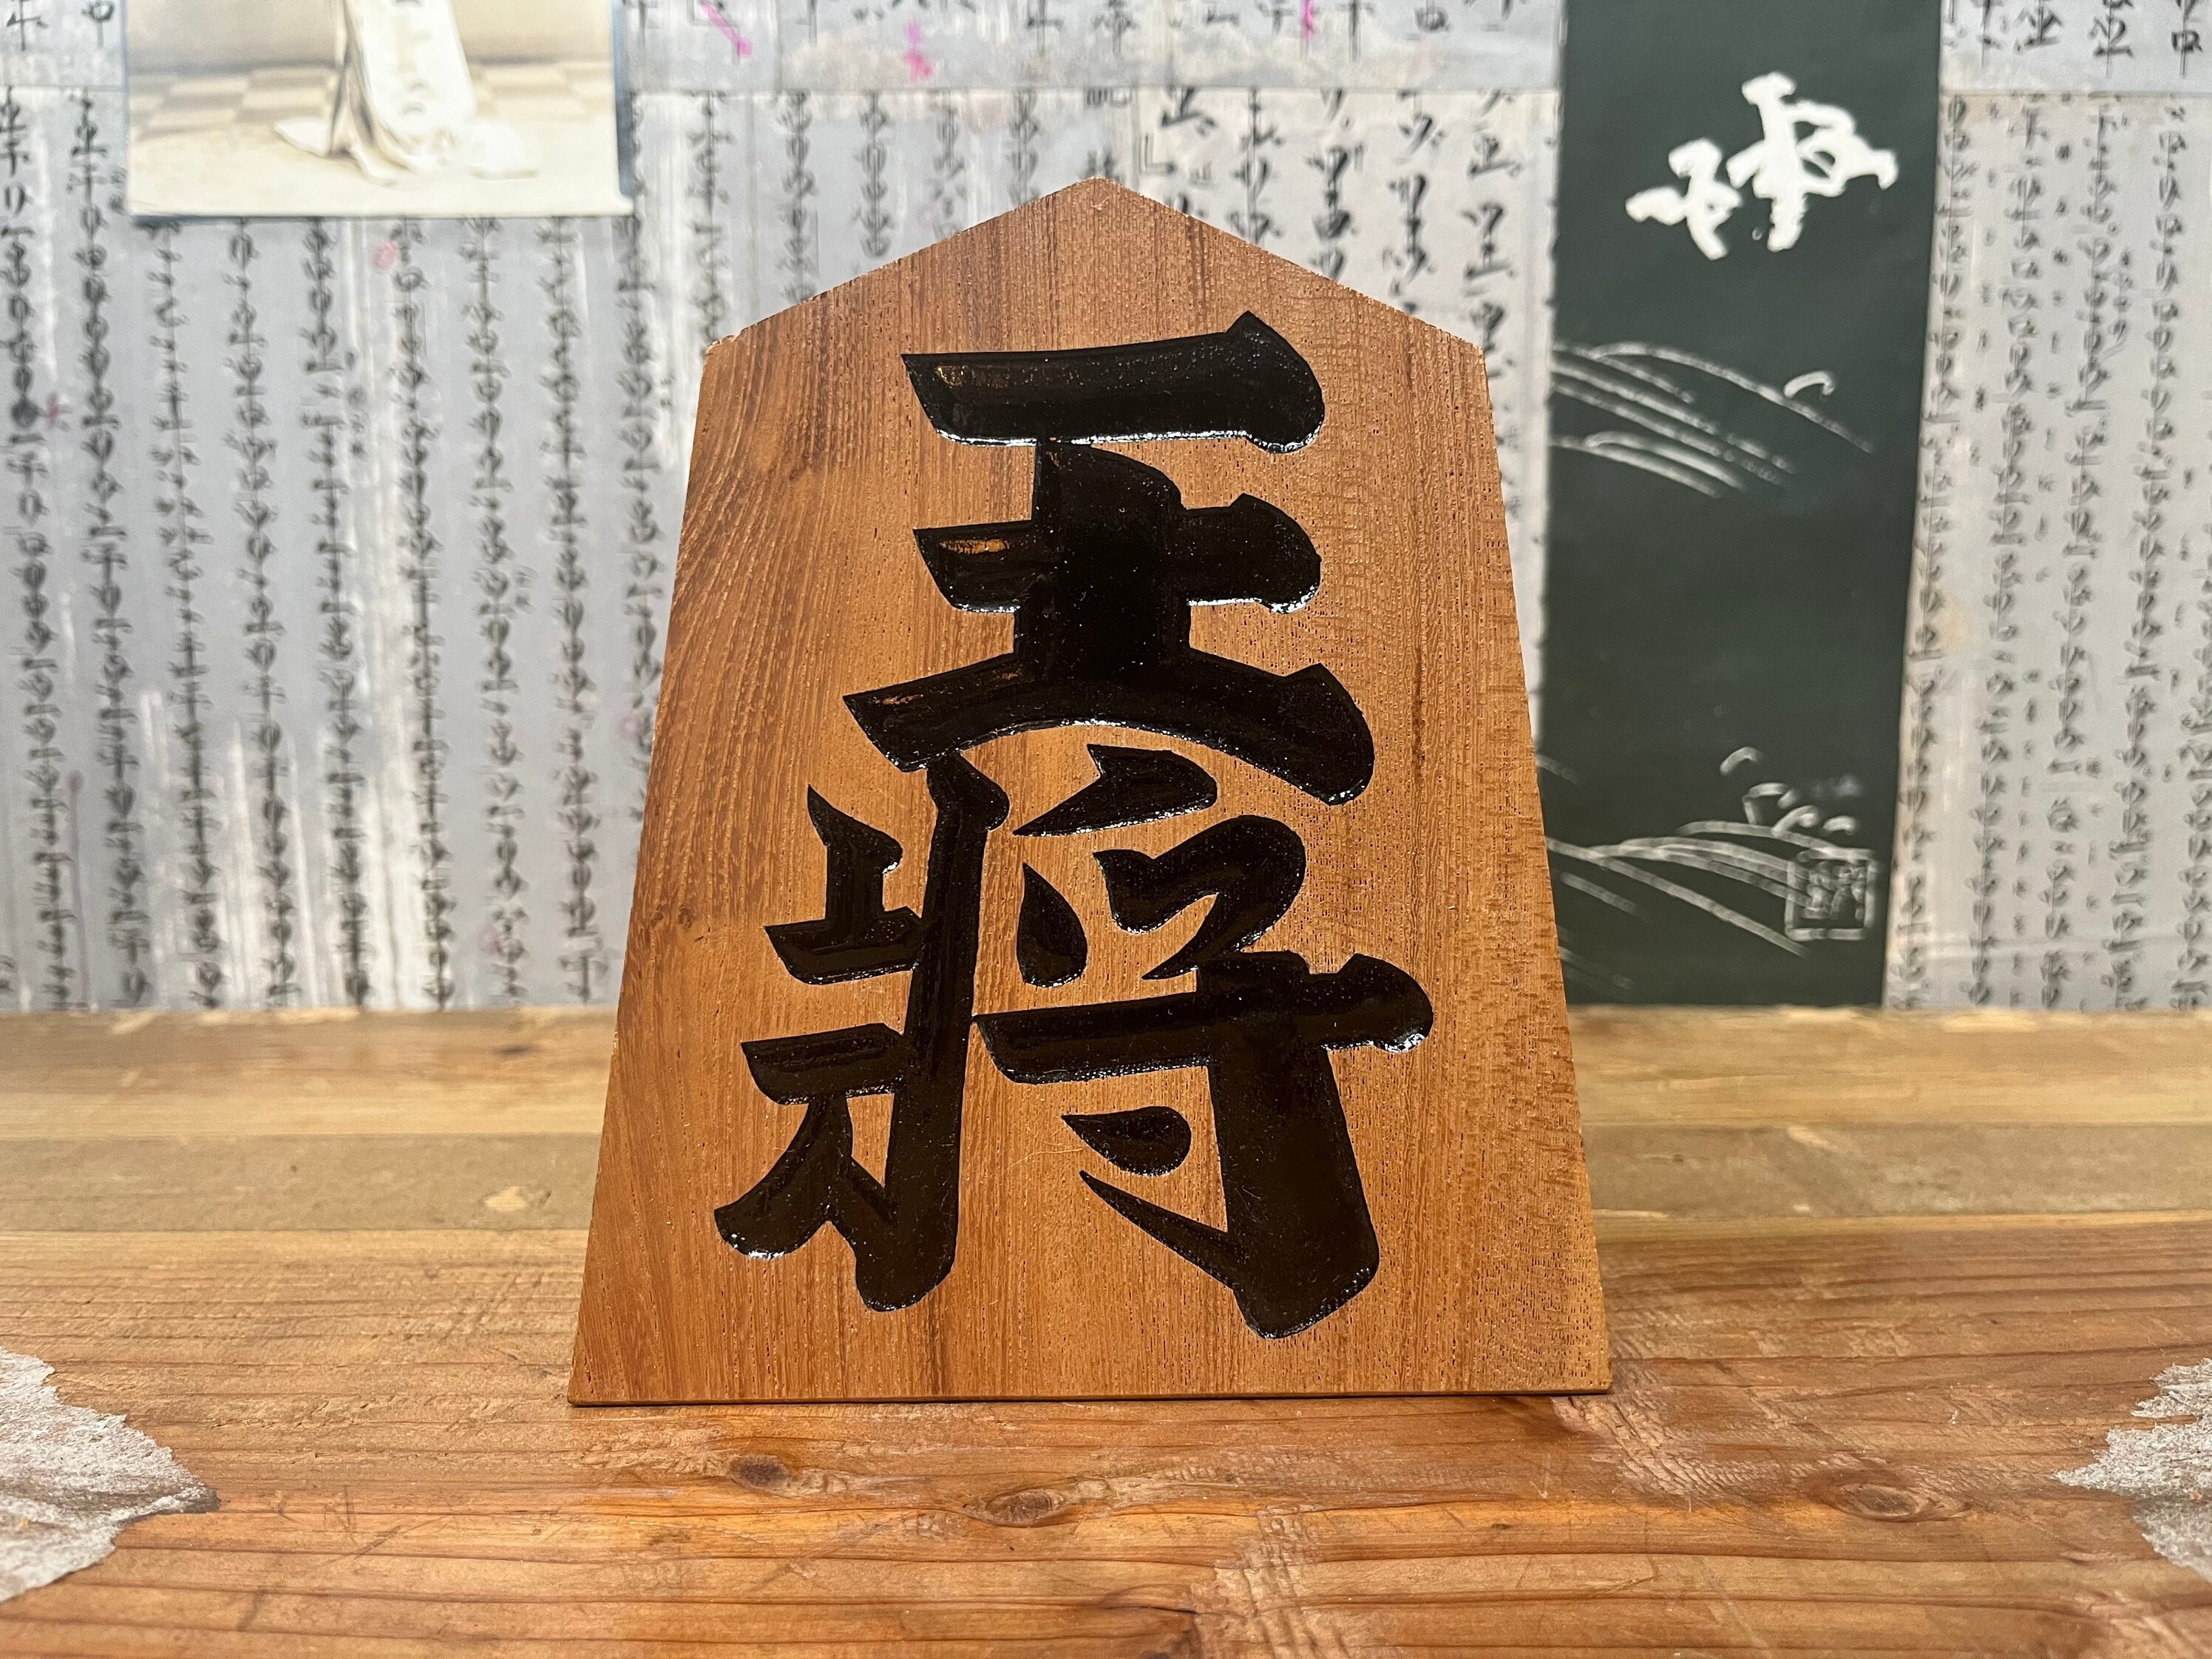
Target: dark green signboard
(1746,190)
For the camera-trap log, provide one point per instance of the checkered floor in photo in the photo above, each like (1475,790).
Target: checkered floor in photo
(521,93)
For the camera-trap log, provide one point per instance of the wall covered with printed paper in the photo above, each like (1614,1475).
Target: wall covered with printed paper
(335,554)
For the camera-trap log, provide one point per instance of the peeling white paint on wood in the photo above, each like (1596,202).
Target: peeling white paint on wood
(2166,1470)
(71,1479)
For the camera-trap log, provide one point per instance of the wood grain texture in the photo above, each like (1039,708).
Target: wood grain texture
(1858,1066)
(800,582)
(200,1122)
(323,1070)
(1823,1438)
(1826,1435)
(544,1070)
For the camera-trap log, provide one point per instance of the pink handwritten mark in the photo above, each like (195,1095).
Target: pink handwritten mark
(1305,20)
(721,20)
(918,66)
(386,256)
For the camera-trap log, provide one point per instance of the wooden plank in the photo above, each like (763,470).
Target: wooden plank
(309,1071)
(1823,1438)
(1695,1171)
(544,1070)
(291,1183)
(199,1122)
(1380,728)
(322,1183)
(1863,1065)
(1827,1435)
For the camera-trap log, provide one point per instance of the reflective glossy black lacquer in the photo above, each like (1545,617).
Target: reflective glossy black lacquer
(1134,785)
(1256,866)
(1049,946)
(1150,1141)
(904,1229)
(1100,580)
(856,937)
(1247,381)
(1299,1242)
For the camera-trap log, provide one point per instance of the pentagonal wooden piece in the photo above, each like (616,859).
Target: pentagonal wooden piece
(1181,644)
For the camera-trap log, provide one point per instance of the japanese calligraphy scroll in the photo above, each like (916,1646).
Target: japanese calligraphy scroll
(1092,934)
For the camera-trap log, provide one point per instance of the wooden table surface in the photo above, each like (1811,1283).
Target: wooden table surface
(1873,1280)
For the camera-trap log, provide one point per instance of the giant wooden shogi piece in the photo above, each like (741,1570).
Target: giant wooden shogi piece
(1092,934)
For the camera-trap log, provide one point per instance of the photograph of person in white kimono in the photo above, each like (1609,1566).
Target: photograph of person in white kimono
(405,100)
(371,107)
